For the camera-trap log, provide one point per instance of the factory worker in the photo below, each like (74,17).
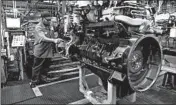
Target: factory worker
(43,51)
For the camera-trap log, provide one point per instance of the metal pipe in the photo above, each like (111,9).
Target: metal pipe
(63,8)
(128,7)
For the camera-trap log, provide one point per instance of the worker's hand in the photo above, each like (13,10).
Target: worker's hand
(56,41)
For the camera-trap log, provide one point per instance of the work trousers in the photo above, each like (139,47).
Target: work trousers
(40,69)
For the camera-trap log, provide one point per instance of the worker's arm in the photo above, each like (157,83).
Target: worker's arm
(44,38)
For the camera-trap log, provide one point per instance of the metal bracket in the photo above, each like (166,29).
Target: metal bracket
(88,94)
(91,97)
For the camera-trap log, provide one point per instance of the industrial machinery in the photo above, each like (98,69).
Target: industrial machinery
(113,47)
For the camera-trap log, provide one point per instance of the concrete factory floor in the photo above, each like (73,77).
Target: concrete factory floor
(68,92)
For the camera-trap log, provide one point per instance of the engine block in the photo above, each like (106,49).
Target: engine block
(107,49)
(130,60)
(103,50)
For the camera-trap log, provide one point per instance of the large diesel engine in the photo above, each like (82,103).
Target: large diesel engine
(115,53)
